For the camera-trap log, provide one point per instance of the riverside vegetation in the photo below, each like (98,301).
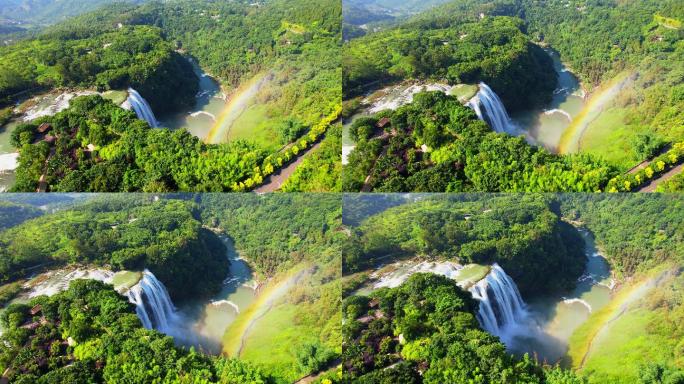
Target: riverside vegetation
(465,42)
(145,47)
(170,238)
(441,338)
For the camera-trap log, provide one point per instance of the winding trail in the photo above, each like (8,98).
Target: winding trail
(651,187)
(276,180)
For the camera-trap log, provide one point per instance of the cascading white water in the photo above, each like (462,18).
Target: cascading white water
(153,304)
(9,161)
(141,107)
(489,108)
(501,305)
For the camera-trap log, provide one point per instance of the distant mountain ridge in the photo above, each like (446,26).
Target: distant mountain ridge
(44,12)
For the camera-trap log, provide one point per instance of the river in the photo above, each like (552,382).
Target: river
(545,126)
(553,319)
(209,319)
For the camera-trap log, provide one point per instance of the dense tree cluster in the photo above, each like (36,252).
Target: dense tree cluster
(163,237)
(91,334)
(612,218)
(524,234)
(463,154)
(280,230)
(112,59)
(100,147)
(425,331)
(493,50)
(320,171)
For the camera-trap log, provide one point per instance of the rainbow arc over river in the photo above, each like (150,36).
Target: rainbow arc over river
(236,105)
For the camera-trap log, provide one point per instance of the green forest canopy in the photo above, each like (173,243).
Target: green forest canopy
(522,233)
(90,333)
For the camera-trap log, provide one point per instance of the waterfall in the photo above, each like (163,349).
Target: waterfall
(501,305)
(9,162)
(153,304)
(489,108)
(141,108)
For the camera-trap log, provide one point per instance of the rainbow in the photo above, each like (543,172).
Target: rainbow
(570,140)
(237,103)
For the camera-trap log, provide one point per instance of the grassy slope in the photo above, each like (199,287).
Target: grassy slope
(269,332)
(279,334)
(255,125)
(608,137)
(612,344)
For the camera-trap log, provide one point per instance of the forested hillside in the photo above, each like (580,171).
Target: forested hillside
(163,237)
(90,334)
(233,41)
(527,238)
(464,154)
(12,214)
(111,59)
(279,230)
(660,237)
(45,12)
(440,339)
(493,50)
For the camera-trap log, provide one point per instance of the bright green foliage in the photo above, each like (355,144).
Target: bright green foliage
(493,50)
(129,155)
(110,59)
(108,344)
(464,155)
(320,171)
(429,321)
(522,233)
(675,184)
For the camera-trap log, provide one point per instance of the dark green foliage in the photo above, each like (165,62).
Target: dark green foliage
(164,237)
(441,339)
(493,50)
(109,344)
(299,226)
(522,233)
(464,155)
(12,214)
